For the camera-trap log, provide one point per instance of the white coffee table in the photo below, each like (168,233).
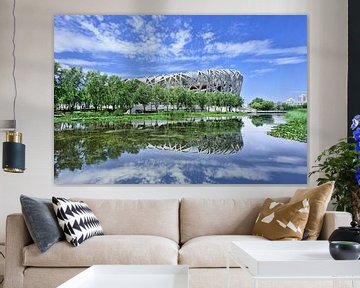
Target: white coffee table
(131,276)
(292,260)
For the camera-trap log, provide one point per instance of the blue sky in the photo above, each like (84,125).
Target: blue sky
(270,51)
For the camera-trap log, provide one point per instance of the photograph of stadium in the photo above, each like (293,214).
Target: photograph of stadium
(180,99)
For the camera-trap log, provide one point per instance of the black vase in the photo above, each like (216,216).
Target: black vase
(344,250)
(351,234)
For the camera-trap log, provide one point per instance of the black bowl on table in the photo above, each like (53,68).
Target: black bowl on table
(344,250)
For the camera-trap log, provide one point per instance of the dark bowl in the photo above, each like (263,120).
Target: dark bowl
(344,250)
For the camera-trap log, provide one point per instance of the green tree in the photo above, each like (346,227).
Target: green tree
(190,99)
(201,99)
(129,96)
(233,101)
(72,83)
(180,96)
(143,95)
(173,97)
(159,96)
(116,91)
(164,97)
(96,87)
(58,82)
(261,104)
(219,100)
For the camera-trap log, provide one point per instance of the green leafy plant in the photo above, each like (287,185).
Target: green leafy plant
(339,163)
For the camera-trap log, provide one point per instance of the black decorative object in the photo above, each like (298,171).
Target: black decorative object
(13,153)
(344,250)
(345,233)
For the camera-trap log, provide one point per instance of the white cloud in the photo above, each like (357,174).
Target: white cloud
(152,174)
(166,68)
(181,37)
(103,37)
(100,18)
(231,49)
(288,159)
(291,50)
(158,18)
(289,60)
(279,61)
(257,60)
(255,47)
(152,42)
(234,171)
(78,42)
(153,171)
(253,173)
(208,37)
(79,62)
(67,41)
(136,22)
(260,72)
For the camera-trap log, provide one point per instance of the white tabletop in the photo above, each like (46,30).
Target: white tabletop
(292,259)
(131,276)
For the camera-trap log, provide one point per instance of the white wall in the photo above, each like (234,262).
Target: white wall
(327,88)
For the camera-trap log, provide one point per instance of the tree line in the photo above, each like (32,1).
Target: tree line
(75,89)
(267,105)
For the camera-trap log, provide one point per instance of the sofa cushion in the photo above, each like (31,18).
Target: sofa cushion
(41,221)
(158,217)
(211,251)
(319,198)
(107,249)
(279,221)
(200,217)
(76,220)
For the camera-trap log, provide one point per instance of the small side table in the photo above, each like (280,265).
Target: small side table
(284,262)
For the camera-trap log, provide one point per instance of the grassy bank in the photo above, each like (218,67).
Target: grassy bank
(91,117)
(295,128)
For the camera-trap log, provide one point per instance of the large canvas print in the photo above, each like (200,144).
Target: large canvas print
(180,99)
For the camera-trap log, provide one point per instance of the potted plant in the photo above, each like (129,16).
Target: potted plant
(341,163)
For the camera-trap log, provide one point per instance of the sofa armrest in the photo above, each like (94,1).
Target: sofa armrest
(17,237)
(333,220)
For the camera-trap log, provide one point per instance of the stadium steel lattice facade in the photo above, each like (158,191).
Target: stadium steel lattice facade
(223,80)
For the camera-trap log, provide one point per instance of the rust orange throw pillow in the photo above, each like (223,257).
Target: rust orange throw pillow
(319,198)
(279,221)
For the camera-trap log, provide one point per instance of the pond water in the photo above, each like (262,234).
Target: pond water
(194,151)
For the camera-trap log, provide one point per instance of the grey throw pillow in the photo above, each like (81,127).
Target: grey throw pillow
(41,221)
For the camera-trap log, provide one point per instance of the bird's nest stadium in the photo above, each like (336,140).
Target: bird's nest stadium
(222,80)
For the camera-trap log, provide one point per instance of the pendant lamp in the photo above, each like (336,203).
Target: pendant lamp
(13,160)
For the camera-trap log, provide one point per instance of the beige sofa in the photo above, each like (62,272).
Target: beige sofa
(194,232)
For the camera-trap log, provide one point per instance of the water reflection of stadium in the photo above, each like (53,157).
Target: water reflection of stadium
(222,144)
(221,135)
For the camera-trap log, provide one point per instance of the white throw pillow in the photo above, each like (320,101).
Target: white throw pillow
(77,220)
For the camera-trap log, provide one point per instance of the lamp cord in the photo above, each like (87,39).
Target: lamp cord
(14,61)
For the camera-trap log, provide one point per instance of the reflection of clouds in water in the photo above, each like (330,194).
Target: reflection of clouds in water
(149,174)
(176,172)
(288,159)
(263,159)
(233,171)
(254,173)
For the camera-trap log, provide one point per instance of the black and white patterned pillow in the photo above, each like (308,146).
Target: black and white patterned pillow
(77,220)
